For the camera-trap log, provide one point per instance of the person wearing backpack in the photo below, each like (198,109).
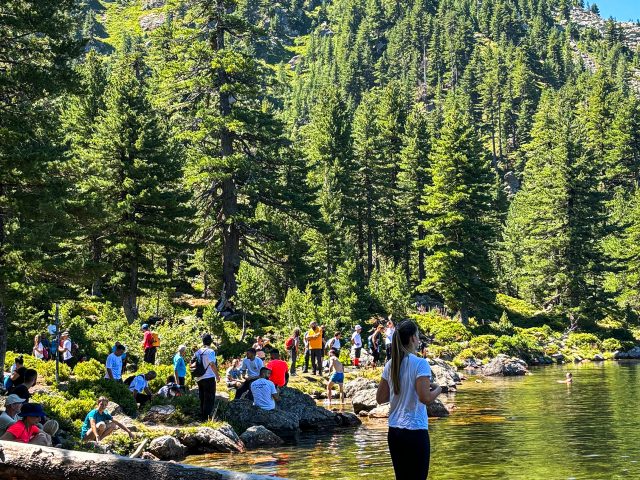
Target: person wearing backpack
(291,345)
(204,370)
(149,344)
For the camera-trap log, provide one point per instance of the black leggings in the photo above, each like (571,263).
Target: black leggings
(410,451)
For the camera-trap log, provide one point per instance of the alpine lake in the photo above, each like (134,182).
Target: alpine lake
(520,428)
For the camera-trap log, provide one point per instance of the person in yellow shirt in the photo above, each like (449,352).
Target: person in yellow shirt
(314,335)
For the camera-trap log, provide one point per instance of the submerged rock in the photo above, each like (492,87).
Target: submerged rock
(207,440)
(258,436)
(506,366)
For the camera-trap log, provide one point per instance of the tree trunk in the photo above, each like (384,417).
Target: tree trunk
(464,315)
(130,298)
(421,256)
(3,308)
(230,232)
(96,257)
(369,240)
(20,461)
(3,334)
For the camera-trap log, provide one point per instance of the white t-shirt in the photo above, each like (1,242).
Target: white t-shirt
(114,362)
(67,353)
(262,390)
(356,339)
(405,409)
(38,354)
(139,383)
(208,357)
(388,335)
(252,367)
(332,343)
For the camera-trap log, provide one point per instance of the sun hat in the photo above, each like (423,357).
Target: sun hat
(32,410)
(65,333)
(358,327)
(13,398)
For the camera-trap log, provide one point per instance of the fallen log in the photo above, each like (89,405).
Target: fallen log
(19,461)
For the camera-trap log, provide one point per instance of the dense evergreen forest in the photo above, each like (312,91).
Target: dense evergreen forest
(332,159)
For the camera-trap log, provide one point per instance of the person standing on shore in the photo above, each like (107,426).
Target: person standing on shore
(292,344)
(207,381)
(356,342)
(315,346)
(179,367)
(307,353)
(388,338)
(147,344)
(114,364)
(405,384)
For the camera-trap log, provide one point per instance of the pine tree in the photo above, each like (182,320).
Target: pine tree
(457,206)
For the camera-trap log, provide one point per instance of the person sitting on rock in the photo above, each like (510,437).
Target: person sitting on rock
(26,429)
(264,391)
(140,387)
(16,372)
(250,368)
(337,377)
(234,375)
(12,407)
(170,389)
(99,423)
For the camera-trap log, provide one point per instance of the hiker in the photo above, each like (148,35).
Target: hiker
(260,346)
(149,344)
(26,429)
(334,343)
(99,423)
(65,348)
(205,372)
(38,348)
(123,356)
(375,343)
(291,345)
(264,391)
(356,342)
(250,369)
(314,336)
(279,369)
(307,352)
(140,387)
(28,380)
(12,407)
(179,367)
(114,364)
(405,384)
(388,338)
(46,346)
(337,377)
(170,389)
(234,375)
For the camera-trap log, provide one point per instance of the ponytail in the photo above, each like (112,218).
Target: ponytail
(404,331)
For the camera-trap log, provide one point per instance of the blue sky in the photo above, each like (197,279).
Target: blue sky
(620,9)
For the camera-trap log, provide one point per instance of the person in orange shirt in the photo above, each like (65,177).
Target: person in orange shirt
(279,369)
(314,335)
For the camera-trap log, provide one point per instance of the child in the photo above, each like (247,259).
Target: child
(337,377)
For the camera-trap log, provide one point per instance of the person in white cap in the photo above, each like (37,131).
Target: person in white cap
(356,341)
(12,405)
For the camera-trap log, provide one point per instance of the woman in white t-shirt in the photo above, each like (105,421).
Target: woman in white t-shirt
(38,349)
(406,386)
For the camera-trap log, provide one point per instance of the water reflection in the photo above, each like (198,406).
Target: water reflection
(519,428)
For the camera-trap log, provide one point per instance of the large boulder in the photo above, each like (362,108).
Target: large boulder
(160,413)
(207,440)
(364,400)
(444,374)
(258,436)
(505,365)
(437,409)
(150,22)
(318,418)
(381,411)
(114,409)
(167,448)
(348,419)
(633,353)
(150,4)
(357,384)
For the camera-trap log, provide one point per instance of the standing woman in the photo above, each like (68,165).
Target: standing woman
(38,349)
(406,386)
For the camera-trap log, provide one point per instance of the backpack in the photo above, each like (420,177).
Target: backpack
(196,365)
(289,343)
(155,339)
(45,353)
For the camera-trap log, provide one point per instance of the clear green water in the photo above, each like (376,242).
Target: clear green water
(515,428)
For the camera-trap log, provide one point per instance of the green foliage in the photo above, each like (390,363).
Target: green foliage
(519,345)
(89,370)
(444,330)
(611,344)
(582,340)
(114,391)
(389,287)
(66,409)
(46,369)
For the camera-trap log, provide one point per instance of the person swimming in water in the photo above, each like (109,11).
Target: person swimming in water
(568,378)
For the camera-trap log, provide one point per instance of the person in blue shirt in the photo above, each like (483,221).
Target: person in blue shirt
(99,423)
(123,356)
(179,366)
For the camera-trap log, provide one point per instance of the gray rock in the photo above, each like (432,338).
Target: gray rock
(207,440)
(148,456)
(558,357)
(444,374)
(618,355)
(318,418)
(504,365)
(364,400)
(437,409)
(633,353)
(258,436)
(349,419)
(167,448)
(150,22)
(149,4)
(598,358)
(357,384)
(381,411)
(126,421)
(114,409)
(159,413)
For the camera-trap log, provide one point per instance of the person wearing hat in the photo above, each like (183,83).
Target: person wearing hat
(26,429)
(356,341)
(12,406)
(65,349)
(147,344)
(99,423)
(207,381)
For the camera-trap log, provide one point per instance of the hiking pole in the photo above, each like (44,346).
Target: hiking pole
(57,345)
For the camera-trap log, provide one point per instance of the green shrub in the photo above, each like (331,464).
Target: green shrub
(114,391)
(611,344)
(46,369)
(89,370)
(65,408)
(483,341)
(443,329)
(162,372)
(583,340)
(519,345)
(504,326)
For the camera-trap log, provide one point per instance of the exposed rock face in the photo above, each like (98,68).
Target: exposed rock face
(167,448)
(149,4)
(357,384)
(150,22)
(444,374)
(207,440)
(586,18)
(258,436)
(364,400)
(506,366)
(633,353)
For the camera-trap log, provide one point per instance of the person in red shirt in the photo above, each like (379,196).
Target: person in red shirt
(147,345)
(279,369)
(26,429)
